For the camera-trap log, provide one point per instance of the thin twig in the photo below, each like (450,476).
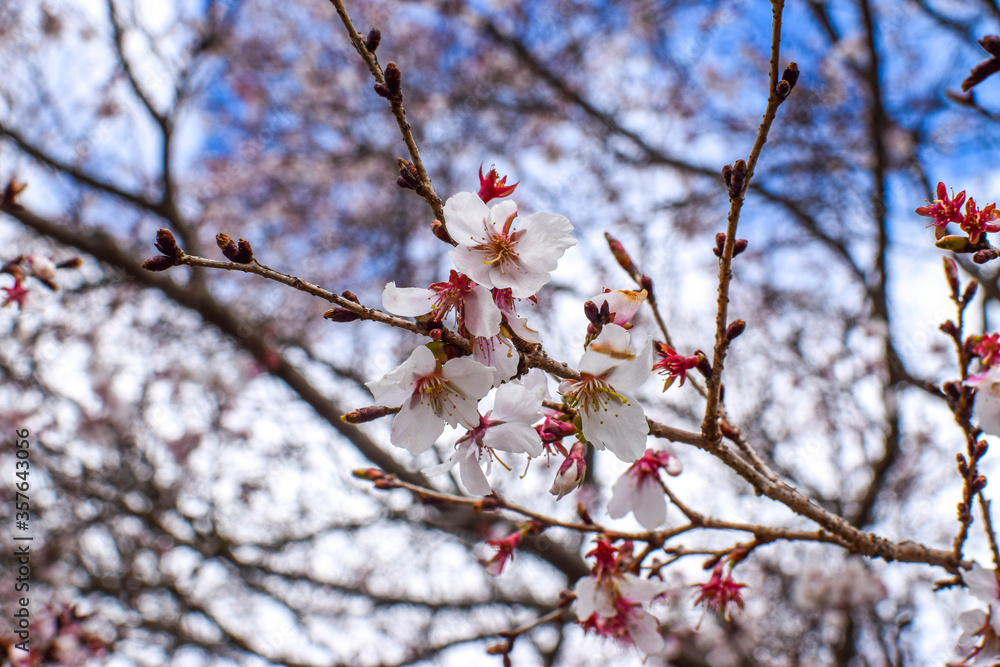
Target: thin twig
(396,104)
(710,426)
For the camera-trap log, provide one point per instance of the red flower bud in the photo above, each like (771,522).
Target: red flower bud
(158,263)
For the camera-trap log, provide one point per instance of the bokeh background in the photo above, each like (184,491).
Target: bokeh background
(191,475)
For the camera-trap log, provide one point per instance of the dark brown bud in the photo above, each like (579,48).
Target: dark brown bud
(226,244)
(244,253)
(727,175)
(373,39)
(592,312)
(584,514)
(739,178)
(980,449)
(71,263)
(734,329)
(788,79)
(951,274)
(350,296)
(158,263)
(408,178)
(728,430)
(441,232)
(341,315)
(371,413)
(984,255)
(740,246)
(720,243)
(953,390)
(978,484)
(393,80)
(970,291)
(646,283)
(949,328)
(382,91)
(166,243)
(386,484)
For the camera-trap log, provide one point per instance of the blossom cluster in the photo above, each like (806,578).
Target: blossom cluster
(974,221)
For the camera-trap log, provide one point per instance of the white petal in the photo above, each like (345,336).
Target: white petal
(644,630)
(544,239)
(498,353)
(621,427)
(516,403)
(982,583)
(514,438)
(632,374)
(471,377)
(416,427)
(473,476)
(621,497)
(611,348)
(482,317)
(649,504)
(465,215)
(500,212)
(470,262)
(407,301)
(535,381)
(521,281)
(586,604)
(638,589)
(396,386)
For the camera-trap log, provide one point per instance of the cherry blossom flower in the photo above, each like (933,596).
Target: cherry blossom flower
(491,186)
(610,603)
(979,641)
(430,394)
(608,370)
(505,551)
(987,349)
(673,365)
(494,254)
(16,294)
(507,427)
(720,593)
(473,304)
(977,222)
(571,472)
(943,210)
(987,399)
(639,491)
(42,268)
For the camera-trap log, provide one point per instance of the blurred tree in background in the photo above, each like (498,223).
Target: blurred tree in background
(191,470)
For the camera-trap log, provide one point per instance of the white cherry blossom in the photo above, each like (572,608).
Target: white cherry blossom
(473,304)
(639,490)
(430,394)
(495,254)
(507,427)
(609,370)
